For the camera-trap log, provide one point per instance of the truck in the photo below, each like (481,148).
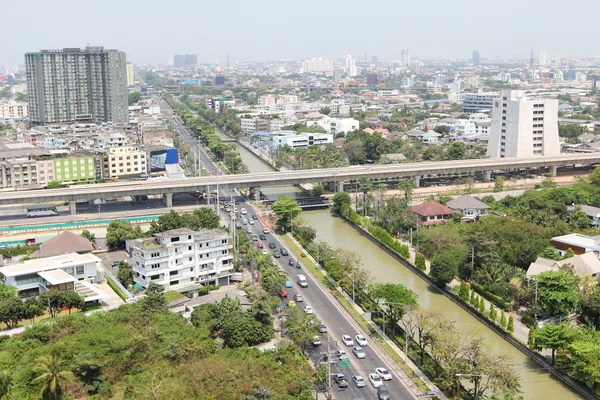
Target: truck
(302,281)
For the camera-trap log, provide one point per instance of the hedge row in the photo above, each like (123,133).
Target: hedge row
(491,297)
(117,290)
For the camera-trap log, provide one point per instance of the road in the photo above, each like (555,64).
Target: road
(330,313)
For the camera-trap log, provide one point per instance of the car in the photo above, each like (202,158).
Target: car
(238,226)
(243,211)
(347,339)
(291,304)
(228,209)
(262,236)
(316,340)
(248,230)
(266,231)
(244,221)
(298,298)
(276,254)
(323,328)
(340,379)
(359,381)
(283,293)
(272,245)
(235,210)
(264,252)
(260,245)
(298,265)
(255,238)
(375,380)
(251,222)
(288,283)
(383,393)
(342,355)
(308,309)
(291,262)
(254,217)
(359,352)
(361,340)
(384,374)
(284,252)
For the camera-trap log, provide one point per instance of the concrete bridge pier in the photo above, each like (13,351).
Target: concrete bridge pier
(487,176)
(73,207)
(417,180)
(168,199)
(340,186)
(552,170)
(255,192)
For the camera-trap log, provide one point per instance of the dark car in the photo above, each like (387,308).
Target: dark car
(291,262)
(383,393)
(262,236)
(254,217)
(272,245)
(284,251)
(276,254)
(341,381)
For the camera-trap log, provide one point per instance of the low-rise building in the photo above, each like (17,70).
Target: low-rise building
(182,259)
(126,161)
(301,140)
(432,212)
(592,212)
(13,109)
(469,206)
(578,243)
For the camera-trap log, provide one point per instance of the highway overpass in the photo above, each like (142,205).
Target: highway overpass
(167,187)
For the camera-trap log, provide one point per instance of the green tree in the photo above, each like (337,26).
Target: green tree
(272,280)
(301,327)
(118,232)
(420,261)
(579,220)
(554,336)
(584,362)
(558,293)
(12,311)
(502,320)
(32,309)
(166,222)
(481,306)
(53,185)
(7,291)
(154,299)
(493,314)
(207,218)
(456,151)
(339,200)
(463,291)
(6,383)
(53,301)
(444,266)
(71,299)
(89,236)
(52,375)
(499,185)
(286,209)
(125,274)
(510,328)
(396,300)
(317,190)
(594,177)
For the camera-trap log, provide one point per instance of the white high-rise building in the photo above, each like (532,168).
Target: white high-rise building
(523,126)
(317,64)
(405,56)
(350,66)
(543,58)
(130,75)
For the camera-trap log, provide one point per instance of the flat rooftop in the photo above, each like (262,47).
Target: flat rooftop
(48,264)
(591,243)
(56,276)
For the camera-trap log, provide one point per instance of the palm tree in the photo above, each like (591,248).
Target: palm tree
(407,186)
(6,382)
(51,376)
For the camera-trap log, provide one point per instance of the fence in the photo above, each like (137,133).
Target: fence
(109,275)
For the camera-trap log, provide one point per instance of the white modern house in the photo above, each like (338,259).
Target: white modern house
(65,272)
(182,259)
(301,140)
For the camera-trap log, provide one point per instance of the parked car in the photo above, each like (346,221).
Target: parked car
(288,283)
(316,341)
(347,339)
(260,245)
(361,340)
(283,293)
(298,298)
(340,379)
(375,380)
(359,352)
(323,329)
(359,381)
(272,245)
(383,393)
(308,309)
(276,254)
(248,230)
(262,236)
(238,226)
(264,252)
(384,374)
(291,304)
(284,252)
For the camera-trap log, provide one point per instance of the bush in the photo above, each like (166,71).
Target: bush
(420,261)
(497,300)
(528,319)
(117,290)
(463,291)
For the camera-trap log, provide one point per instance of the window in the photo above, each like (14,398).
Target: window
(224,241)
(189,247)
(171,273)
(174,282)
(175,239)
(503,118)
(191,269)
(154,277)
(155,266)
(154,255)
(69,271)
(79,270)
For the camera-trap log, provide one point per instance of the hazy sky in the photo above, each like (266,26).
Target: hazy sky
(154,30)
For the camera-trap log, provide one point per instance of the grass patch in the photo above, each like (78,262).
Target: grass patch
(172,295)
(116,289)
(92,306)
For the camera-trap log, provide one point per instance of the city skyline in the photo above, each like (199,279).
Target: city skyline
(399,27)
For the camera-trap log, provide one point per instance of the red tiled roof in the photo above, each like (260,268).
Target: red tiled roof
(431,208)
(434,222)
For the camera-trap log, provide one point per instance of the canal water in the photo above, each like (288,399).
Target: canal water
(536,383)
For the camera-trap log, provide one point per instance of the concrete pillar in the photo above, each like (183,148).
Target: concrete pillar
(256,193)
(417,180)
(340,186)
(168,199)
(553,170)
(487,176)
(73,207)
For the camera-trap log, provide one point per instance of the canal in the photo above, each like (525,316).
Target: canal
(536,383)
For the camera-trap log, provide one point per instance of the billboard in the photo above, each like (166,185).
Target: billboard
(158,159)
(172,156)
(144,90)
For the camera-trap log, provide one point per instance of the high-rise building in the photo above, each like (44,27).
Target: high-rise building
(374,60)
(317,64)
(476,58)
(372,79)
(350,66)
(405,57)
(523,126)
(179,61)
(543,59)
(72,85)
(130,75)
(190,60)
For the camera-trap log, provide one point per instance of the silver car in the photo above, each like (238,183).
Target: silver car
(359,352)
(359,381)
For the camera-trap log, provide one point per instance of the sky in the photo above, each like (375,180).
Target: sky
(154,30)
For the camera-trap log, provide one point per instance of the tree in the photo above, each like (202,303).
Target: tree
(301,327)
(51,299)
(154,299)
(397,298)
(12,311)
(272,280)
(355,152)
(510,328)
(207,218)
(7,291)
(420,261)
(463,291)
(71,299)
(339,200)
(53,185)
(502,320)
(558,293)
(52,376)
(318,190)
(166,222)
(286,209)
(456,151)
(134,98)
(407,186)
(89,236)
(118,232)
(125,274)
(493,314)
(444,266)
(481,306)
(579,220)
(499,185)
(32,309)
(554,336)
(594,177)
(6,383)
(421,324)
(584,360)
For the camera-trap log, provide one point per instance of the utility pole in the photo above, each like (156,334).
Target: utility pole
(472,260)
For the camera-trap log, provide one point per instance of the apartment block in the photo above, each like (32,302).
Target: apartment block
(182,259)
(75,169)
(13,109)
(523,126)
(130,75)
(72,85)
(477,102)
(126,161)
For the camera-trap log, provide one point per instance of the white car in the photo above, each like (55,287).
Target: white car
(347,339)
(308,309)
(361,340)
(359,381)
(375,380)
(384,374)
(264,251)
(251,222)
(249,230)
(243,211)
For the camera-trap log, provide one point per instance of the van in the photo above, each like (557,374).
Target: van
(302,281)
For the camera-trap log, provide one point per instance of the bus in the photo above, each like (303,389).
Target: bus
(41,211)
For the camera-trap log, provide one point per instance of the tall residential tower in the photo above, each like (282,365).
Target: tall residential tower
(523,126)
(73,85)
